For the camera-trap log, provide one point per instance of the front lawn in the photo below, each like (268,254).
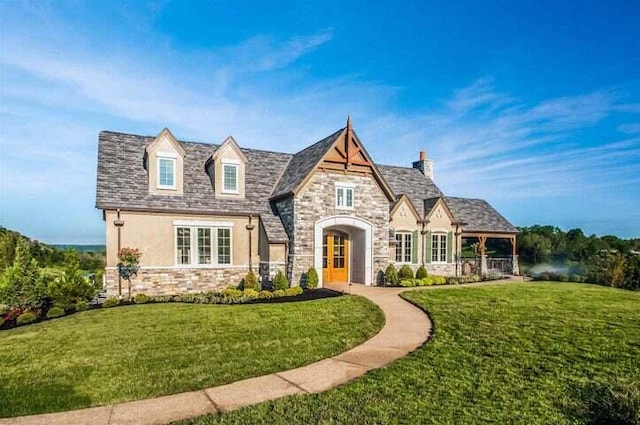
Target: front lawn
(518,353)
(134,352)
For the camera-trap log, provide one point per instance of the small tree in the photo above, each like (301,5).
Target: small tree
(312,278)
(391,275)
(250,281)
(22,284)
(72,286)
(405,272)
(128,265)
(280,281)
(421,273)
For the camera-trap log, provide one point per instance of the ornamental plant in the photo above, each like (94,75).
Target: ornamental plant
(312,278)
(129,257)
(250,281)
(391,275)
(421,273)
(405,272)
(280,281)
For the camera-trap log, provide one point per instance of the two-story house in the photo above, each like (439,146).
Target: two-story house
(203,215)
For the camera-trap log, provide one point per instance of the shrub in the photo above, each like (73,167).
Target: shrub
(231,293)
(618,403)
(279,293)
(142,299)
(250,294)
(293,291)
(55,312)
(405,272)
(1,322)
(280,281)
(391,275)
(265,294)
(312,278)
(250,281)
(26,318)
(408,283)
(421,273)
(22,284)
(82,305)
(110,302)
(3,309)
(72,285)
(439,280)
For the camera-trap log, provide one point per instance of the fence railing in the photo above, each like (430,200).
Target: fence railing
(495,266)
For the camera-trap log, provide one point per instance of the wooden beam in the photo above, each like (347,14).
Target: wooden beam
(482,239)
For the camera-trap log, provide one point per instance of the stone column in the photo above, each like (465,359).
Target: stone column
(515,266)
(484,268)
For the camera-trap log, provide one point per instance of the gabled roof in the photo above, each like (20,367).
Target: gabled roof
(231,143)
(302,163)
(479,216)
(411,182)
(394,206)
(430,205)
(123,182)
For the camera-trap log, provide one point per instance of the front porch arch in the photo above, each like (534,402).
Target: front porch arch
(347,221)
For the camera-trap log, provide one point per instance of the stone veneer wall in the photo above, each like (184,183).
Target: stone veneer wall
(170,281)
(317,200)
(285,208)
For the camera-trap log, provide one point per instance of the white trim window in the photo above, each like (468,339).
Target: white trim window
(344,197)
(404,247)
(166,172)
(229,177)
(439,248)
(203,246)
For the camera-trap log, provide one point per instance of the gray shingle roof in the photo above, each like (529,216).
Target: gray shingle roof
(302,163)
(479,215)
(412,183)
(123,182)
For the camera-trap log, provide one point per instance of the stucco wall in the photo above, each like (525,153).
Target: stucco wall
(153,234)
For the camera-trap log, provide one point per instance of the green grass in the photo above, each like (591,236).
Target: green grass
(503,354)
(126,353)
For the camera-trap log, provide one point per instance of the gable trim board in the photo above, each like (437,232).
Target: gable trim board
(292,214)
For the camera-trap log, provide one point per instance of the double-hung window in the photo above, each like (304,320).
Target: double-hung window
(404,247)
(166,171)
(198,245)
(344,197)
(229,177)
(439,248)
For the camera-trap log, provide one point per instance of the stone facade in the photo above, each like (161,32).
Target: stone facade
(171,281)
(316,201)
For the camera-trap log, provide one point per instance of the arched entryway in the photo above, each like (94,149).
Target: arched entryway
(343,250)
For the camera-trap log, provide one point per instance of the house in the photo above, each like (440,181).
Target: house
(203,215)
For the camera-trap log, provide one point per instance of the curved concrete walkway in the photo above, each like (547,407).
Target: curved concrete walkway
(406,328)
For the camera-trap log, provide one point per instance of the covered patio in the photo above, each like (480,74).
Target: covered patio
(499,263)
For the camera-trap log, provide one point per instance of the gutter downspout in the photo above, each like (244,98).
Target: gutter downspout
(119,223)
(249,228)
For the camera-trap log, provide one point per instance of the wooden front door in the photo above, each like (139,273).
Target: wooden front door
(335,257)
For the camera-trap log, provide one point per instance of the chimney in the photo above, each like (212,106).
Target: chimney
(424,165)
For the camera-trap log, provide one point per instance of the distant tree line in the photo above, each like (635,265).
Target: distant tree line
(607,260)
(47,256)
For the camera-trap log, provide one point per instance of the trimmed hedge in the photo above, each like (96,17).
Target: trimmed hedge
(421,273)
(293,291)
(26,318)
(405,272)
(438,280)
(391,276)
(280,281)
(312,278)
(55,312)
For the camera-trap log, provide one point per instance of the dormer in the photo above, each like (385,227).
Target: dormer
(226,169)
(164,161)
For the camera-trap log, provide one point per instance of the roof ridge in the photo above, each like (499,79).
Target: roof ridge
(215,145)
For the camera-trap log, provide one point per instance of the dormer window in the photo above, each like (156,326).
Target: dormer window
(230,176)
(166,170)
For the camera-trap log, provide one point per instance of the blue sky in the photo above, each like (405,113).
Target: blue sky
(534,106)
